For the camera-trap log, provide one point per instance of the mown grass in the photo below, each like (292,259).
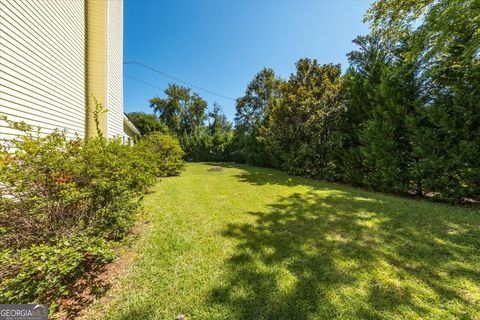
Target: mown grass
(254,243)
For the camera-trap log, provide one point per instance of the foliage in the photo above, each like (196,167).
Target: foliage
(258,98)
(218,122)
(381,94)
(433,27)
(63,204)
(252,115)
(44,272)
(181,111)
(163,152)
(61,186)
(184,113)
(221,132)
(404,117)
(385,136)
(364,75)
(302,123)
(443,44)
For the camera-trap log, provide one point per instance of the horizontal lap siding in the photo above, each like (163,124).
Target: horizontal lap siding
(42,65)
(115,68)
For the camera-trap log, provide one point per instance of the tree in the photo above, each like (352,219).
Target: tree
(219,121)
(221,133)
(184,113)
(193,114)
(375,137)
(385,137)
(252,115)
(170,108)
(260,92)
(181,110)
(367,64)
(302,123)
(444,43)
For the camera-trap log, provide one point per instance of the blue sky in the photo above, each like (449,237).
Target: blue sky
(220,45)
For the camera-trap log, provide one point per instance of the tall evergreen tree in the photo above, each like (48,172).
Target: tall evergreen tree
(362,79)
(252,115)
(445,43)
(385,137)
(221,132)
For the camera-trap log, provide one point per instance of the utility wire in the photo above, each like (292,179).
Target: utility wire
(141,81)
(173,78)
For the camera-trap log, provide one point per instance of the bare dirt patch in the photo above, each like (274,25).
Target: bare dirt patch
(101,283)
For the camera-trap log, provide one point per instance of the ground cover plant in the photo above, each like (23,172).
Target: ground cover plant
(254,243)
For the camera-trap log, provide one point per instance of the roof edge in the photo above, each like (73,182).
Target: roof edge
(130,125)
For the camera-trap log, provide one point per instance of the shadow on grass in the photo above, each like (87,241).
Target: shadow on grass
(335,253)
(261,176)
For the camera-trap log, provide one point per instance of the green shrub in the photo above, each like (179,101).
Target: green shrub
(66,187)
(114,176)
(163,152)
(63,203)
(43,272)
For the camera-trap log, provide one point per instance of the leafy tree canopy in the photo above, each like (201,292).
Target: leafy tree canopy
(181,110)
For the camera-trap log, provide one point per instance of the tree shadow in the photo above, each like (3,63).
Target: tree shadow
(268,176)
(263,176)
(223,164)
(339,253)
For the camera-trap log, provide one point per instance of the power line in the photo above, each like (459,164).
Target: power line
(141,81)
(173,78)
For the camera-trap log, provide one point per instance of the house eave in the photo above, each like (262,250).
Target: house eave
(130,125)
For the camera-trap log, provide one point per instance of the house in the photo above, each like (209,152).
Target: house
(56,58)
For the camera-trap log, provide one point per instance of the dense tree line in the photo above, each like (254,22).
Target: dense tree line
(203,135)
(404,117)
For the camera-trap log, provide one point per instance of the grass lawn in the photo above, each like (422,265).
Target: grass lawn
(254,243)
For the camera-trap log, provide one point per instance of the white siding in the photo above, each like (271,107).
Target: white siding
(115,68)
(42,64)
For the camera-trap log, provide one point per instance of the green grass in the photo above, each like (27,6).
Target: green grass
(254,243)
